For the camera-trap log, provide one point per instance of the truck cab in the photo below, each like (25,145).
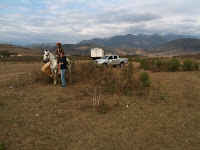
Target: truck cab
(111,60)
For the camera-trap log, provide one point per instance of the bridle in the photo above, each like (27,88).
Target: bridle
(47,57)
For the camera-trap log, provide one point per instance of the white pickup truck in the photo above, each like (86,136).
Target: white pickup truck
(111,60)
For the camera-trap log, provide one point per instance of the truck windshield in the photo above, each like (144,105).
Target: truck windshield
(104,57)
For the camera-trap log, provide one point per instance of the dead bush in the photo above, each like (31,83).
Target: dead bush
(157,94)
(130,83)
(100,80)
(36,76)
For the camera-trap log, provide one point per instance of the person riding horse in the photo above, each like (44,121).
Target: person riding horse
(59,50)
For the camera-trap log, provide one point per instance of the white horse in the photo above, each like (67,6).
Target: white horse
(49,57)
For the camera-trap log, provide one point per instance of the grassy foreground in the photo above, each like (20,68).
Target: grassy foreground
(40,115)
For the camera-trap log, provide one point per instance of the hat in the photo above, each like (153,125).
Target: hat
(58,43)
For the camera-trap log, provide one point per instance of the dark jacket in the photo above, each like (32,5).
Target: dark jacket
(63,60)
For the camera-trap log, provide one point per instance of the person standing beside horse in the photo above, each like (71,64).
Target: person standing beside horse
(63,67)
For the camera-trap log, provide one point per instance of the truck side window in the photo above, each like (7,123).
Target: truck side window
(115,57)
(110,57)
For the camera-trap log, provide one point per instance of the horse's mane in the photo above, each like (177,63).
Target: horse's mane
(56,57)
(52,54)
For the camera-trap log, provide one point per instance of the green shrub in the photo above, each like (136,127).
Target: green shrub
(196,66)
(173,64)
(144,64)
(137,59)
(103,108)
(130,60)
(127,92)
(145,79)
(158,63)
(5,53)
(162,97)
(127,77)
(2,146)
(187,65)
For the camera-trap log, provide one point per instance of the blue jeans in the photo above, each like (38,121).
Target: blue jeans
(63,77)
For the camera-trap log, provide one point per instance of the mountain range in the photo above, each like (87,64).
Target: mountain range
(141,44)
(76,49)
(135,41)
(177,47)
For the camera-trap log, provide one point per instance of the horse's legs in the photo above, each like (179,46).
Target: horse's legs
(54,76)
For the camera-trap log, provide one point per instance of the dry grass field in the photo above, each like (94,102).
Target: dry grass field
(37,115)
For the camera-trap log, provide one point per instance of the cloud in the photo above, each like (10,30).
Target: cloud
(25,2)
(2,6)
(189,20)
(124,16)
(24,9)
(70,21)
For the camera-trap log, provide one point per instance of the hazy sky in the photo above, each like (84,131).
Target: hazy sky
(70,21)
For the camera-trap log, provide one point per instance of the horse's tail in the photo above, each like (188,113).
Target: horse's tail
(68,61)
(69,68)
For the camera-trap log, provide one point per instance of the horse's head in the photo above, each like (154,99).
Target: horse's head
(46,57)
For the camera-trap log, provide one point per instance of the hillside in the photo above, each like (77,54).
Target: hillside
(122,45)
(80,49)
(179,46)
(134,41)
(42,47)
(84,49)
(75,49)
(72,49)
(19,50)
(171,37)
(140,44)
(128,41)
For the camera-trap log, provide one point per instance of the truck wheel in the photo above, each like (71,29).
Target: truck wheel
(105,65)
(115,66)
(122,64)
